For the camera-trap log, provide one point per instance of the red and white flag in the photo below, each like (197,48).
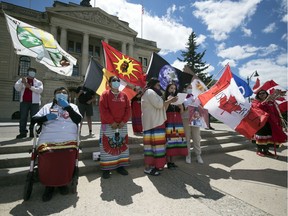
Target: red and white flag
(270,86)
(226,103)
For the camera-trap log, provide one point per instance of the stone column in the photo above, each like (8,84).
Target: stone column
(131,50)
(63,38)
(123,47)
(85,53)
(53,31)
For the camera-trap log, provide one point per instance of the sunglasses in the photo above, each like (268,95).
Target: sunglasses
(115,80)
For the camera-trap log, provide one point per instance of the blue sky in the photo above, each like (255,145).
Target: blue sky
(250,35)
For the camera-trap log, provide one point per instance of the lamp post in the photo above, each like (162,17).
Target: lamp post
(254,74)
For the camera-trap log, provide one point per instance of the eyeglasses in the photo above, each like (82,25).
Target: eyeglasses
(115,80)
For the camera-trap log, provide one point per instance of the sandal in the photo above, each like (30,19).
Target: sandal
(152,172)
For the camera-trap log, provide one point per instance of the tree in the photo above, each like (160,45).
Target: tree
(194,59)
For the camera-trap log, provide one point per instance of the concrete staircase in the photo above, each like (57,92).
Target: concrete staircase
(15,157)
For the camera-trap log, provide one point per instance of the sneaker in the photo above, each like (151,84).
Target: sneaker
(188,159)
(122,171)
(48,193)
(21,135)
(106,174)
(199,159)
(152,171)
(64,190)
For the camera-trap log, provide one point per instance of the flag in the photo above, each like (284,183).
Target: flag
(165,73)
(270,86)
(225,102)
(123,66)
(97,77)
(198,87)
(31,41)
(257,85)
(243,86)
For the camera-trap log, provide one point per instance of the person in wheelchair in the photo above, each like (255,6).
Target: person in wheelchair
(59,131)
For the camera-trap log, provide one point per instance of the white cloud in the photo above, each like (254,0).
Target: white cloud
(282,59)
(155,28)
(231,62)
(243,52)
(284,37)
(267,68)
(247,32)
(270,28)
(179,64)
(223,17)
(285,18)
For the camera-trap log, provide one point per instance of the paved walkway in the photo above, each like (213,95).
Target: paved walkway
(235,183)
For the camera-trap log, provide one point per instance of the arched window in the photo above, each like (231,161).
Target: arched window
(24,64)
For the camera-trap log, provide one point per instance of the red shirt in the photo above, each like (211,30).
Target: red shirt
(27,96)
(114,108)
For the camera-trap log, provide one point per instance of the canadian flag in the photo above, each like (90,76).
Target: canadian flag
(270,86)
(225,102)
(127,89)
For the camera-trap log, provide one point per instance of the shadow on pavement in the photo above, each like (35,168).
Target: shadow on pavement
(119,188)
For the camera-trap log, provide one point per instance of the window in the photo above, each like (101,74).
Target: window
(140,59)
(70,46)
(75,71)
(97,51)
(78,47)
(144,62)
(24,64)
(16,95)
(91,50)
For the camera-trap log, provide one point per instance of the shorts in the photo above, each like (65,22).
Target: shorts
(85,109)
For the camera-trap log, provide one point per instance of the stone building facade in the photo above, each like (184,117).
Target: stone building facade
(79,30)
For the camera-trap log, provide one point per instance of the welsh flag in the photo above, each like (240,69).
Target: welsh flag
(123,66)
(226,103)
(41,45)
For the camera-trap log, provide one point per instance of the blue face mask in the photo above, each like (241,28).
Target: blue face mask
(115,84)
(62,96)
(189,91)
(31,73)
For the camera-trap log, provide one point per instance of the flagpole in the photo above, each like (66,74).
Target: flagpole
(217,74)
(142,12)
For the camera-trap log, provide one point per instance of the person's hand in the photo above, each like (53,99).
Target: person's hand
(173,99)
(121,124)
(114,125)
(51,116)
(24,80)
(63,103)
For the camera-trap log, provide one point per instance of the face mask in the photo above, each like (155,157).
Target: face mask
(115,84)
(62,96)
(31,73)
(189,91)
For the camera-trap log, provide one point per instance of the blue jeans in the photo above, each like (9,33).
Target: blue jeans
(25,108)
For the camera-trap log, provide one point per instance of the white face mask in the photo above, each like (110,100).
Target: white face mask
(31,73)
(189,91)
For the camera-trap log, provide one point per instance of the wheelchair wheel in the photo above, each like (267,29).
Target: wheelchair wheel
(28,186)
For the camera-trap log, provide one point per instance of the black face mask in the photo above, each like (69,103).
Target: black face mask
(158,91)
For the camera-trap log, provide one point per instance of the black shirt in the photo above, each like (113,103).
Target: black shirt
(86,95)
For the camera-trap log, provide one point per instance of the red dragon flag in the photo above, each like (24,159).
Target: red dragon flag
(123,66)
(226,103)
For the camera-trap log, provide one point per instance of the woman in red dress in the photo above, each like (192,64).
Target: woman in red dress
(271,134)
